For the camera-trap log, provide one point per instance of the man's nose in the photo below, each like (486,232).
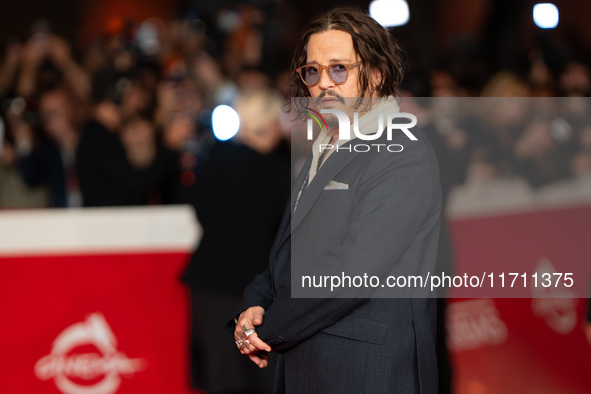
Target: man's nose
(325,82)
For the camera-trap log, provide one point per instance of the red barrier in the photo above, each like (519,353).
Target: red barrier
(524,345)
(91,303)
(98,322)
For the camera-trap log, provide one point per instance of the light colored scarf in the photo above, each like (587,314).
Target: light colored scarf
(368,124)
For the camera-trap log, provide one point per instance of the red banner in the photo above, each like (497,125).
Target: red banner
(92,303)
(100,322)
(522,345)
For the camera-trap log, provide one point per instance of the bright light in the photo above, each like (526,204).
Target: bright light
(389,13)
(546,15)
(225,122)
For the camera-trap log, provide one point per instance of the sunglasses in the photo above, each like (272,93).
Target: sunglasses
(337,72)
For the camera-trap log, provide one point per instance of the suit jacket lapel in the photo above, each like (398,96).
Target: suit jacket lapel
(333,165)
(299,182)
(285,228)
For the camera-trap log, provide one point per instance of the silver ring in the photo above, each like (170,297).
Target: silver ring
(242,344)
(249,332)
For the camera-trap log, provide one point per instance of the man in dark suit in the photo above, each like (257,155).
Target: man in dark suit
(352,212)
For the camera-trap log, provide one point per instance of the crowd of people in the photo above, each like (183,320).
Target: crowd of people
(128,121)
(127,124)
(510,130)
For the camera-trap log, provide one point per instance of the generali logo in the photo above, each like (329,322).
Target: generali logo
(84,359)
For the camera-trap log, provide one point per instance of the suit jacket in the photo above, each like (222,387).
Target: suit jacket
(385,223)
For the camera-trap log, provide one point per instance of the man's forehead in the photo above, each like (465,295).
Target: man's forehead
(331,35)
(335,60)
(332,45)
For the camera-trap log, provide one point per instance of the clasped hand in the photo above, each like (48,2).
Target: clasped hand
(253,346)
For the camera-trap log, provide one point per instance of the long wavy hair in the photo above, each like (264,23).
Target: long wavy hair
(377,48)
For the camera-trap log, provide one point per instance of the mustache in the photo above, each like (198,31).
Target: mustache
(330,93)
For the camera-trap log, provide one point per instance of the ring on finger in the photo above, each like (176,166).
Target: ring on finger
(249,332)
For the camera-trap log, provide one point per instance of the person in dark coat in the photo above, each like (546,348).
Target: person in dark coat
(107,172)
(352,211)
(241,188)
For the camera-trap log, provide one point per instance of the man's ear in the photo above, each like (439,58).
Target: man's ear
(377,75)
(376,79)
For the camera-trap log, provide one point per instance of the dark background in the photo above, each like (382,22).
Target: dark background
(499,32)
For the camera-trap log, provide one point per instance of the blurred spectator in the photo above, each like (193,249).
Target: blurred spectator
(575,80)
(443,84)
(61,124)
(45,62)
(244,39)
(252,78)
(17,139)
(139,140)
(106,174)
(540,77)
(505,84)
(14,193)
(543,151)
(220,89)
(503,121)
(581,162)
(39,159)
(10,68)
(180,99)
(240,191)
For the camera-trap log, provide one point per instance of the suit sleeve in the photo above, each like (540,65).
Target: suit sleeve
(258,293)
(397,202)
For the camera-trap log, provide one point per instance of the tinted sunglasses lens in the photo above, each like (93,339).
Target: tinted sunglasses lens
(338,73)
(310,75)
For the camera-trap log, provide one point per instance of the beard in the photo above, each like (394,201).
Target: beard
(331,119)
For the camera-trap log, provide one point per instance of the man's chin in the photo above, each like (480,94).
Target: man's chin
(331,120)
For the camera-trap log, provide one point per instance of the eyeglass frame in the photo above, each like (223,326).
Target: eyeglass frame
(321,67)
